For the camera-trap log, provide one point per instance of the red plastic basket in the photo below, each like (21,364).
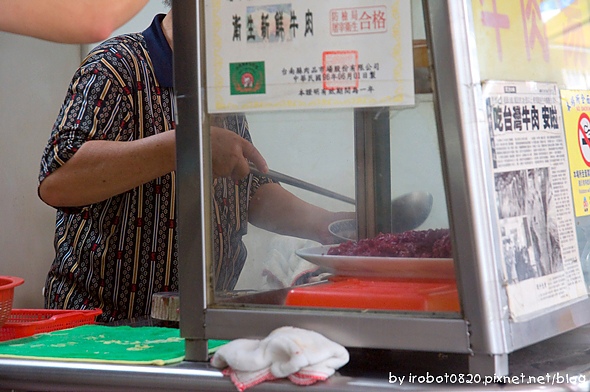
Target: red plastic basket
(7,285)
(27,322)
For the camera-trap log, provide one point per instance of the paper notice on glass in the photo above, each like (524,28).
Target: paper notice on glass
(540,259)
(307,54)
(576,106)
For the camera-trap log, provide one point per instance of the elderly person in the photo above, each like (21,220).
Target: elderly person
(108,168)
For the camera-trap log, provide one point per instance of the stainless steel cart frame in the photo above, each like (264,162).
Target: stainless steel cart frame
(483,330)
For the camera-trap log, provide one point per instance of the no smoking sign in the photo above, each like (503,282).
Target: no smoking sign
(584,137)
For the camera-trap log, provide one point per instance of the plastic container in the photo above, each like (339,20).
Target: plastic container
(27,322)
(384,294)
(7,285)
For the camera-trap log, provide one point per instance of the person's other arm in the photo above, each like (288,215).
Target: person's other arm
(275,209)
(101,169)
(67,21)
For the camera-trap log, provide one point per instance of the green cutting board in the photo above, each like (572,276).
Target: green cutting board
(104,344)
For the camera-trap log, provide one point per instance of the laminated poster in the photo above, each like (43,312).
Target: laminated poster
(576,108)
(540,259)
(308,54)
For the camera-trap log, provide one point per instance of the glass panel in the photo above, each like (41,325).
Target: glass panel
(415,159)
(545,41)
(314,146)
(322,147)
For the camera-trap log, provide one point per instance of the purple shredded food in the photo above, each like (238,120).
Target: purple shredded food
(432,243)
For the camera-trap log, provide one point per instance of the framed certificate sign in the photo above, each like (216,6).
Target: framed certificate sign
(307,54)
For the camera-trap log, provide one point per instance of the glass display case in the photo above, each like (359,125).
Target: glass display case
(467,102)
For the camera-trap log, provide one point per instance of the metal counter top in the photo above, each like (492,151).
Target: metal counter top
(558,364)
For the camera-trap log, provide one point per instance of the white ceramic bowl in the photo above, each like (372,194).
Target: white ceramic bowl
(344,230)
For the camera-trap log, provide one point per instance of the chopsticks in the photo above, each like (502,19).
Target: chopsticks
(284,178)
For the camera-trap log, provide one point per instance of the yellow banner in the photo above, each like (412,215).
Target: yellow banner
(541,40)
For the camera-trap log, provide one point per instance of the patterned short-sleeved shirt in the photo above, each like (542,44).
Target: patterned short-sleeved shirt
(115,254)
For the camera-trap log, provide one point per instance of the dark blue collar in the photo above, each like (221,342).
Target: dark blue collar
(160,52)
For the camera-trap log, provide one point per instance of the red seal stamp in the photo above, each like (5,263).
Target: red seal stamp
(340,69)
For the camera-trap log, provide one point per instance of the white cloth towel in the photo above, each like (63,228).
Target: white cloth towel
(300,355)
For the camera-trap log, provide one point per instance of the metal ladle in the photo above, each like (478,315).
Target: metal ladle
(408,211)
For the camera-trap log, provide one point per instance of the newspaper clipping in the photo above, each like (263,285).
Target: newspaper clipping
(541,266)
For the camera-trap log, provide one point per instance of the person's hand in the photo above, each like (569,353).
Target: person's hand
(230,155)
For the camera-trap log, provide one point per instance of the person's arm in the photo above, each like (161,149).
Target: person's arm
(67,21)
(275,209)
(101,169)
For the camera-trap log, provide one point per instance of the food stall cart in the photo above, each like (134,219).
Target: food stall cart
(484,125)
(501,89)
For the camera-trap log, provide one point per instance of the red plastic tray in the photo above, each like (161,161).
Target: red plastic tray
(27,322)
(385,294)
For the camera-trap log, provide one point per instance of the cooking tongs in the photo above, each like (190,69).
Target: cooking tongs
(284,178)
